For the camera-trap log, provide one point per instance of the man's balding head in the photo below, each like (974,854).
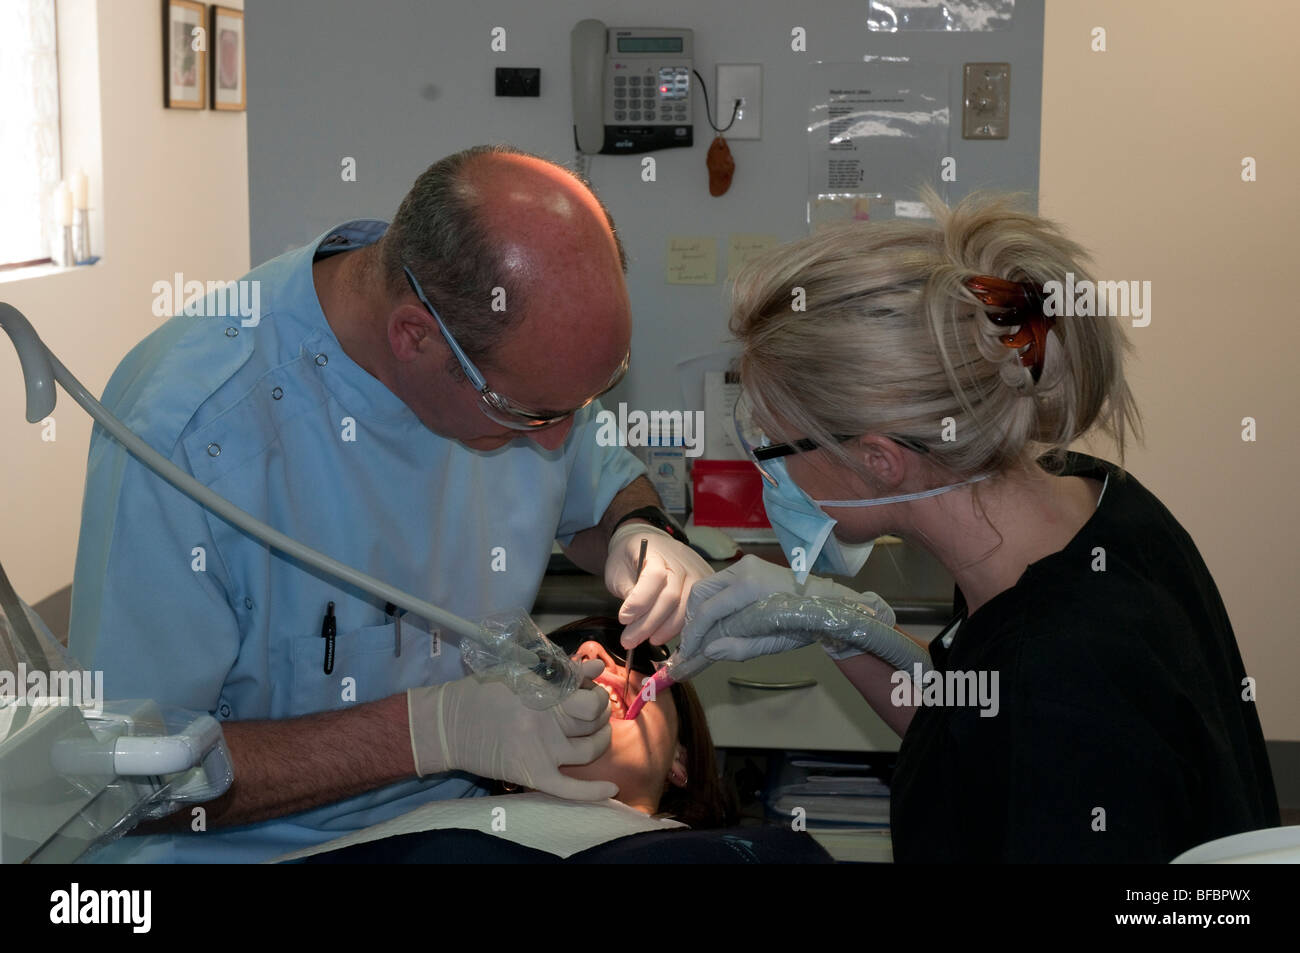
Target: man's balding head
(490,227)
(497,217)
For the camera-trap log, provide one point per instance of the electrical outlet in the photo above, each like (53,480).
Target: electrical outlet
(741,81)
(518,81)
(986,95)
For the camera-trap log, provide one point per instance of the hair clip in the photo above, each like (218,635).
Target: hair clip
(1021,305)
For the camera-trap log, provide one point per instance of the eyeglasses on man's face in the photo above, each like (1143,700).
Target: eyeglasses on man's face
(499,408)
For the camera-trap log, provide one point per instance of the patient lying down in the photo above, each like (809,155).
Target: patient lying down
(664,760)
(663,763)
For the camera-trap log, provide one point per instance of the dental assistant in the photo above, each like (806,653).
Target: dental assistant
(927,391)
(417,400)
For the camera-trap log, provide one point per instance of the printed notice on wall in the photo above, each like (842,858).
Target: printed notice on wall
(692,261)
(875,130)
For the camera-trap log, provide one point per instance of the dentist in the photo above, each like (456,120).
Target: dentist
(384,412)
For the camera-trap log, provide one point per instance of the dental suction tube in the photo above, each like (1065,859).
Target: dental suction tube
(516,651)
(675,671)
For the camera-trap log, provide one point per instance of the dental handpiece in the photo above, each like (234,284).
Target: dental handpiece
(675,671)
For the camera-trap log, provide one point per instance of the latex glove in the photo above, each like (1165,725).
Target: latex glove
(482,727)
(655,607)
(738,586)
(845,627)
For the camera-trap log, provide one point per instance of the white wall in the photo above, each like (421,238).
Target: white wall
(1141,159)
(398,85)
(172,196)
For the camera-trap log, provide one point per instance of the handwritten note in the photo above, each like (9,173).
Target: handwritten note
(744,248)
(692,261)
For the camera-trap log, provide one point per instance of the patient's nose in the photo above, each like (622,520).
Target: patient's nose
(594,650)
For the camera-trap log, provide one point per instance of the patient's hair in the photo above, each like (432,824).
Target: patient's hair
(892,341)
(705,802)
(439,234)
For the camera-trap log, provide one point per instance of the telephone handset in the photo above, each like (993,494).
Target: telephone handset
(631,88)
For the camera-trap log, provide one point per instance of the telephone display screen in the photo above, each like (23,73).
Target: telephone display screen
(650,44)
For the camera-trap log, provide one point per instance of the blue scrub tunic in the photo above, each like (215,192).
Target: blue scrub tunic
(174,604)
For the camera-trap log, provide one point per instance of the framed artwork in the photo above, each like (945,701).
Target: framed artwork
(228,73)
(184,54)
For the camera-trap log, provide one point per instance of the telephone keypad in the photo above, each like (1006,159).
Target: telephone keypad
(659,96)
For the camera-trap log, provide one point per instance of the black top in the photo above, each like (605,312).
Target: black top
(1122,733)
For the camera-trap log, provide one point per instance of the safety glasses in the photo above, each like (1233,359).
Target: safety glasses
(646,658)
(499,408)
(755,443)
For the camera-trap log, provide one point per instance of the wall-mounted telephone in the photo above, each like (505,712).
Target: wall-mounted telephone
(631,88)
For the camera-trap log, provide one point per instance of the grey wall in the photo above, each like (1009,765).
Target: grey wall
(396,84)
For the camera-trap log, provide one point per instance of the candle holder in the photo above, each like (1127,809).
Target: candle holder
(81,236)
(69,258)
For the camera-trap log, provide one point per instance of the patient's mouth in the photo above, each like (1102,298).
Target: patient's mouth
(614,685)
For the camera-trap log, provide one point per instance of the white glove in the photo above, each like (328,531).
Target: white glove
(734,588)
(845,627)
(654,607)
(482,727)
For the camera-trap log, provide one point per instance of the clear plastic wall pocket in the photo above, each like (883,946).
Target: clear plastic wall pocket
(877,132)
(891,16)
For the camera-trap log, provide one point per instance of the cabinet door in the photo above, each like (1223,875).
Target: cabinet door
(794,700)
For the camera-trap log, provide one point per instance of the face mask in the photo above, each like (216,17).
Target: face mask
(805,532)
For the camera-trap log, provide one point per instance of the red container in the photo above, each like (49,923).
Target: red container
(727,493)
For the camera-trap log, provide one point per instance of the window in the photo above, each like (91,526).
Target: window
(30,161)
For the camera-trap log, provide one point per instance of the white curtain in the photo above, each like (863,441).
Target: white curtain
(30,162)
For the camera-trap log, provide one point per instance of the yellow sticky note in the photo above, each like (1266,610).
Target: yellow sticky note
(692,261)
(743,248)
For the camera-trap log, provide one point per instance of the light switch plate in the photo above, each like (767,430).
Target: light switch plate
(743,81)
(986,101)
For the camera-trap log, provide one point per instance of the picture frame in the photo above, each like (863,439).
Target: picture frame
(229,68)
(185,69)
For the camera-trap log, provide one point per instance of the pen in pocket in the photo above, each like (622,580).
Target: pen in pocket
(328,630)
